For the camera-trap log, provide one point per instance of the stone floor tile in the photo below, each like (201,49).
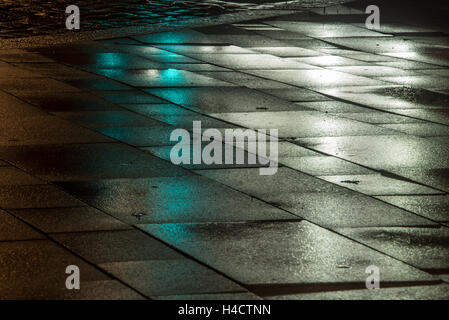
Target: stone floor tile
(141,136)
(22,261)
(186,49)
(435,207)
(12,229)
(107,119)
(334,107)
(35,196)
(287,52)
(434,292)
(213,296)
(373,71)
(88,162)
(150,78)
(322,165)
(131,96)
(379,117)
(222,99)
(313,124)
(290,254)
(420,129)
(424,248)
(75,219)
(298,94)
(383,152)
(331,61)
(378,185)
(75,101)
(436,177)
(171,277)
(32,85)
(426,82)
(315,78)
(438,115)
(13,176)
(97,84)
(162,200)
(116,246)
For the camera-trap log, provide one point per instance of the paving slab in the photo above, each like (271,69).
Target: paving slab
(435,207)
(288,254)
(163,200)
(168,277)
(12,229)
(75,219)
(434,292)
(88,162)
(116,246)
(424,248)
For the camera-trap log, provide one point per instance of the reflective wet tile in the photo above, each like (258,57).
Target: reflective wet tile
(297,94)
(426,82)
(98,84)
(379,117)
(110,60)
(376,184)
(438,115)
(436,177)
(222,99)
(282,253)
(162,78)
(31,85)
(287,51)
(347,209)
(12,229)
(334,107)
(434,292)
(329,61)
(35,196)
(170,277)
(315,78)
(88,161)
(74,219)
(424,248)
(373,71)
(319,166)
(141,136)
(390,97)
(246,80)
(116,246)
(435,207)
(174,37)
(250,61)
(96,290)
(325,30)
(128,97)
(296,124)
(420,129)
(161,200)
(185,49)
(286,181)
(384,152)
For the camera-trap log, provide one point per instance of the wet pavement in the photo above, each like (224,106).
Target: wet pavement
(363,178)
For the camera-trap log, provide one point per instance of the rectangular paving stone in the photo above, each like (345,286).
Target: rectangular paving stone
(253,61)
(171,277)
(302,124)
(107,119)
(344,208)
(23,260)
(438,115)
(75,219)
(420,129)
(373,71)
(330,61)
(45,130)
(384,152)
(116,246)
(88,162)
(133,96)
(29,85)
(97,84)
(282,253)
(148,78)
(297,94)
(35,196)
(377,185)
(379,117)
(235,99)
(434,292)
(162,200)
(183,49)
(424,248)
(334,107)
(435,207)
(141,136)
(213,296)
(12,229)
(13,176)
(421,81)
(315,78)
(286,52)
(435,177)
(322,165)
(75,101)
